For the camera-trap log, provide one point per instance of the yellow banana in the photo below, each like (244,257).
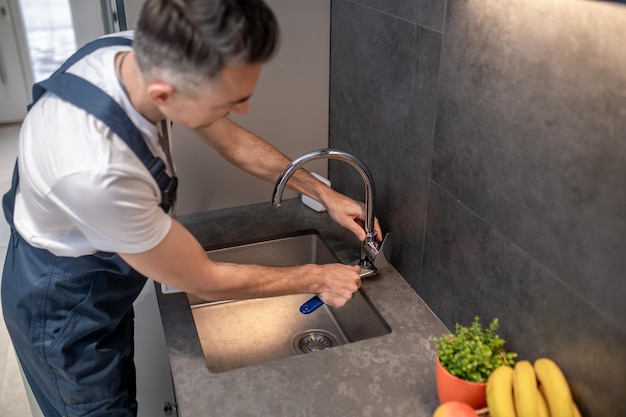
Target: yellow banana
(500,392)
(525,390)
(543,406)
(554,387)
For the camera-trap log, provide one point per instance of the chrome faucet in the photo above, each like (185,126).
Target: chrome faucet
(373,255)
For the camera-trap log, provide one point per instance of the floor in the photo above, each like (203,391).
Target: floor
(13,399)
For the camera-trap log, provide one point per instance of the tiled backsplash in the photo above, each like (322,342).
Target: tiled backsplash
(496,134)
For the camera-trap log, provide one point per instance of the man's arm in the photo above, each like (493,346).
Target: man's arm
(180,261)
(252,154)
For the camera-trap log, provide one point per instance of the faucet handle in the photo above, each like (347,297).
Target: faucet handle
(375,256)
(384,252)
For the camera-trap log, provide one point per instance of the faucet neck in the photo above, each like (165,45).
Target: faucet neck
(366,176)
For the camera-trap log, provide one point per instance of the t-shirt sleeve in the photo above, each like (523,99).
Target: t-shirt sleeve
(116,210)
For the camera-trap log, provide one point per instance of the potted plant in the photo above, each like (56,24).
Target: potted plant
(465,360)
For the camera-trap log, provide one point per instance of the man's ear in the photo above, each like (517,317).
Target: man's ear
(160,92)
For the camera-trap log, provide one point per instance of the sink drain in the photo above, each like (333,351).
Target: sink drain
(314,340)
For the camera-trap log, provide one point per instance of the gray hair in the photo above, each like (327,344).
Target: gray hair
(188,42)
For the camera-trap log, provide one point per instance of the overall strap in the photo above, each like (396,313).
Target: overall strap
(84,95)
(8,200)
(38,91)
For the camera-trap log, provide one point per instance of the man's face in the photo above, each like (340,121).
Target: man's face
(228,93)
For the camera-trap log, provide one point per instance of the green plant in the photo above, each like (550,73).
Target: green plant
(473,353)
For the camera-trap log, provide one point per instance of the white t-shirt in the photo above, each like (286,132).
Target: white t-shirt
(82,189)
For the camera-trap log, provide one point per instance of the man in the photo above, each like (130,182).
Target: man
(87,215)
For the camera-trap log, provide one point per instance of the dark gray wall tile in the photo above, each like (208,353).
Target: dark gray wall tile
(427,13)
(530,134)
(527,217)
(471,269)
(382,109)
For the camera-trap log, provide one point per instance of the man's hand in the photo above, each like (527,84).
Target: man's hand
(342,281)
(349,214)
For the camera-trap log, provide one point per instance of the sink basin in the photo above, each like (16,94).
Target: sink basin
(241,333)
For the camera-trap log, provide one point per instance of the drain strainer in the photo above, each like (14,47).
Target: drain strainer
(314,340)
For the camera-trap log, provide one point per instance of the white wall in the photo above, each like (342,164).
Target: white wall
(132,9)
(86,20)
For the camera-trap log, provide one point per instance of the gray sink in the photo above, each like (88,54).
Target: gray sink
(241,333)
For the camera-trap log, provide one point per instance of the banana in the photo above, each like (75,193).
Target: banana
(554,387)
(525,390)
(543,406)
(500,392)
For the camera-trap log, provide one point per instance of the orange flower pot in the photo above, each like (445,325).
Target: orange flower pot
(452,388)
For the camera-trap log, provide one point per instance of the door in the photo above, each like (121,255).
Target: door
(36,36)
(14,85)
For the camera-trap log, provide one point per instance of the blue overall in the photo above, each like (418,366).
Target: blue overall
(71,319)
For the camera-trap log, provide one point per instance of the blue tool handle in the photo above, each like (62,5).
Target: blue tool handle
(311,305)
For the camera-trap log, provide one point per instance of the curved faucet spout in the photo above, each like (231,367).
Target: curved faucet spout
(373,255)
(340,155)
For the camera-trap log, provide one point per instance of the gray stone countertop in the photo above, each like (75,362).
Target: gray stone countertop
(392,375)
